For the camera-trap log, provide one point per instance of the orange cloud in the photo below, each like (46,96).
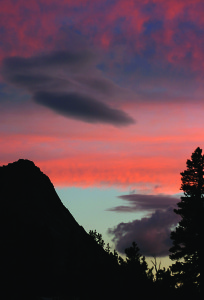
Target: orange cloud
(148,156)
(85,164)
(96,170)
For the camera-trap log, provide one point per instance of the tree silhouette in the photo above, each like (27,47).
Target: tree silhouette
(135,260)
(137,278)
(188,242)
(97,237)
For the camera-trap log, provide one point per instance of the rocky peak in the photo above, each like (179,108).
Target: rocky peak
(44,248)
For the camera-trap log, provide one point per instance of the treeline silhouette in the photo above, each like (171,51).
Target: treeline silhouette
(46,253)
(185,277)
(134,277)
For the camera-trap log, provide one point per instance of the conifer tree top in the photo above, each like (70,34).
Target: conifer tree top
(188,237)
(192,177)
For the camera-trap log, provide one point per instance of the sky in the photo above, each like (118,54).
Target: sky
(106,97)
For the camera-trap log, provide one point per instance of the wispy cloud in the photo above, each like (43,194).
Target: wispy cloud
(141,202)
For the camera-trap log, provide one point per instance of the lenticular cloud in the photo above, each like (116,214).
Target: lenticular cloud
(56,80)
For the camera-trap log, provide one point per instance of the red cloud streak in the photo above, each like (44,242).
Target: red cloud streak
(149,156)
(76,168)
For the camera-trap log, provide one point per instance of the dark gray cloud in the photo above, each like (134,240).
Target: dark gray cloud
(30,81)
(57,58)
(140,202)
(102,85)
(82,107)
(37,82)
(152,234)
(68,83)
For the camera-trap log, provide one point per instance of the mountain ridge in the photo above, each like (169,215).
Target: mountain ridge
(44,247)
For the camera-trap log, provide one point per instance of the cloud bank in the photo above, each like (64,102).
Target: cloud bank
(68,83)
(151,233)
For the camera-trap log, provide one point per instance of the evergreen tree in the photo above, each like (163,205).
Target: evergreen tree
(188,237)
(97,237)
(135,261)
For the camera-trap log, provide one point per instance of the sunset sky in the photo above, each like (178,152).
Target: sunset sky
(106,97)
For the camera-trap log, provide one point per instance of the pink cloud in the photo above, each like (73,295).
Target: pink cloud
(30,28)
(82,163)
(150,154)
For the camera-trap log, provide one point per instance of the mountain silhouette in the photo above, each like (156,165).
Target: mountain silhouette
(45,251)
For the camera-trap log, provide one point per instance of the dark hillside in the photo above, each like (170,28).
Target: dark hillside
(45,251)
